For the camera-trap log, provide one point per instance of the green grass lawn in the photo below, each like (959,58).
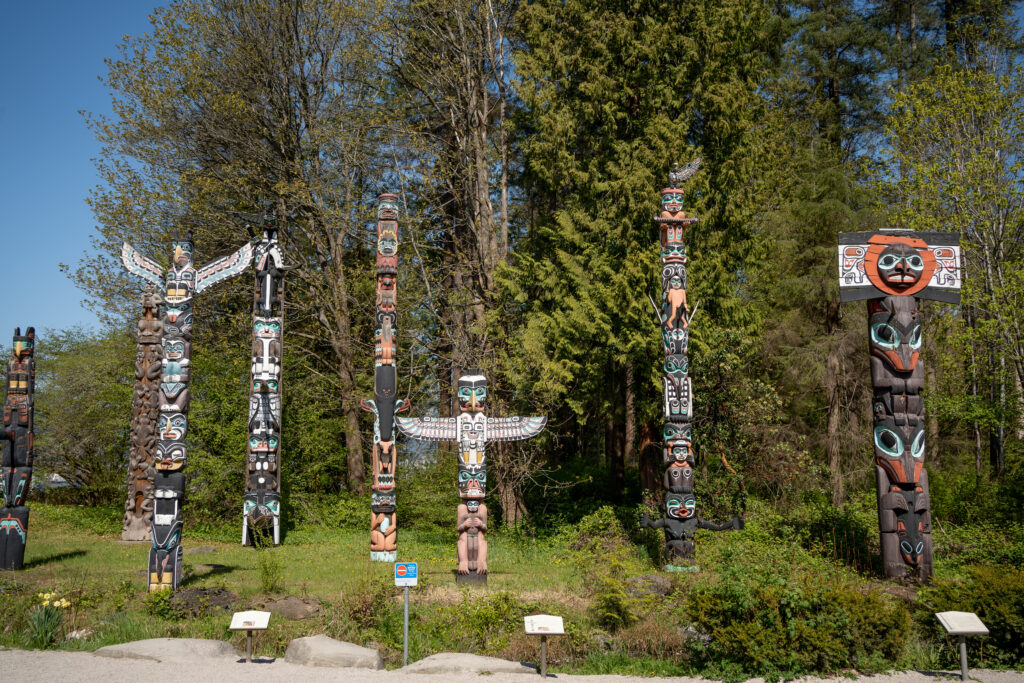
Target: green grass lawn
(770,600)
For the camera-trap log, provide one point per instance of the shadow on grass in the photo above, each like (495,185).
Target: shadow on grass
(59,557)
(205,571)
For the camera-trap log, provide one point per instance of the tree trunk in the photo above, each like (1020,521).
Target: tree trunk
(832,441)
(630,447)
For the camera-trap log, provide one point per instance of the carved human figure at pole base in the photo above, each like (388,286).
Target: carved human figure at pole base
(181,282)
(471,551)
(472,430)
(893,270)
(17,438)
(680,521)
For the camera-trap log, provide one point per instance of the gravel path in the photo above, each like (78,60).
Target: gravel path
(35,665)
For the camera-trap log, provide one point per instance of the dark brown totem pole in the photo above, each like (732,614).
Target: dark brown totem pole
(680,522)
(383,532)
(472,430)
(138,508)
(893,269)
(262,507)
(182,282)
(16,467)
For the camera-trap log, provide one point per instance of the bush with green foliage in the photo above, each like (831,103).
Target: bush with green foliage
(773,609)
(996,595)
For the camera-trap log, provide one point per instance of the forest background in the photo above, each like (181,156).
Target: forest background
(528,142)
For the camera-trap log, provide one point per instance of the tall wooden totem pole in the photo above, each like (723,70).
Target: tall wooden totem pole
(262,507)
(472,430)
(16,466)
(182,282)
(138,508)
(892,270)
(680,522)
(383,532)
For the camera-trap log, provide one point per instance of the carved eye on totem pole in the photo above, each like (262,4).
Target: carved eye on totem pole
(472,393)
(679,478)
(897,342)
(259,384)
(267,328)
(899,449)
(387,242)
(172,426)
(671,202)
(24,345)
(900,266)
(472,482)
(182,253)
(680,506)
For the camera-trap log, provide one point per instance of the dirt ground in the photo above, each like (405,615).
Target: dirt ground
(38,665)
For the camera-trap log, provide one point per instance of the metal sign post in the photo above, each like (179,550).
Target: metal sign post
(405,576)
(249,622)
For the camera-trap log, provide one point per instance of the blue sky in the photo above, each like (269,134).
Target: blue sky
(52,53)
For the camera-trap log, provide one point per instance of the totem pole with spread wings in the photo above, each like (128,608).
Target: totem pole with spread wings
(183,280)
(472,430)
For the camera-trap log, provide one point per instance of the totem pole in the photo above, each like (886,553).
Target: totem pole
(262,506)
(383,532)
(16,466)
(680,522)
(892,270)
(183,281)
(472,429)
(138,508)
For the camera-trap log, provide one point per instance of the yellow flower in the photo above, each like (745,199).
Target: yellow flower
(46,603)
(40,595)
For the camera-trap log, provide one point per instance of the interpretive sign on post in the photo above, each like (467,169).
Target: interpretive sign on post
(962,624)
(250,621)
(544,625)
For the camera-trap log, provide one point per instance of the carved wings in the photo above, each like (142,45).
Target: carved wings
(429,428)
(514,428)
(678,175)
(223,268)
(140,266)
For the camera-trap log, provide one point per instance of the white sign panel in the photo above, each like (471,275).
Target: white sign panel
(406,574)
(544,625)
(250,621)
(962,624)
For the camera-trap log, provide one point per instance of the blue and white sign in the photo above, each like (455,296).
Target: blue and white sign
(405,574)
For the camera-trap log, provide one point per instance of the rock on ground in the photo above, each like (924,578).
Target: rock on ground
(321,650)
(169,649)
(194,602)
(291,607)
(462,663)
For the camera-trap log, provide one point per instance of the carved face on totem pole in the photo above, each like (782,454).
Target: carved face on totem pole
(24,345)
(381,501)
(472,393)
(680,505)
(678,443)
(472,481)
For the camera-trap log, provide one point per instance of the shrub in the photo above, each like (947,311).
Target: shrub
(996,595)
(268,567)
(775,610)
